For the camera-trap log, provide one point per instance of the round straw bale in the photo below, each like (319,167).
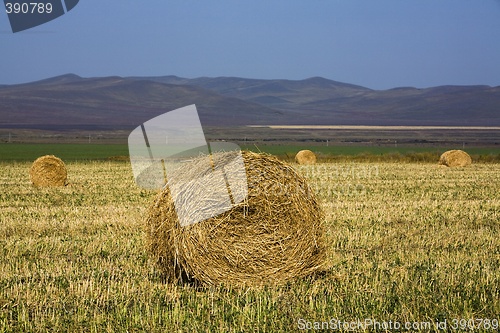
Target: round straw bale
(275,234)
(48,170)
(455,158)
(305,157)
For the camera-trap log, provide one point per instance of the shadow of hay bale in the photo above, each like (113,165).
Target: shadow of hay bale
(455,158)
(276,234)
(305,157)
(48,170)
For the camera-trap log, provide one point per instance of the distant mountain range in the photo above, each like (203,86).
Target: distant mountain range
(72,102)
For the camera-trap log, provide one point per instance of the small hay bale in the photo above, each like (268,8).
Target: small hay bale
(455,158)
(274,235)
(48,170)
(305,157)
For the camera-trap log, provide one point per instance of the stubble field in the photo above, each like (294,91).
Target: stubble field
(408,243)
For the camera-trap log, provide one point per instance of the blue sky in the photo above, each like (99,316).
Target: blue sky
(379,44)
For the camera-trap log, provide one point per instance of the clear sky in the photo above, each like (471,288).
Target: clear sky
(379,44)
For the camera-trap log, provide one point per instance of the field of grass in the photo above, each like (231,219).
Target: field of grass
(67,152)
(409,242)
(375,153)
(75,152)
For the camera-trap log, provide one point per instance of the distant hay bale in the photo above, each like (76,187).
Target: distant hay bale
(275,234)
(455,158)
(48,170)
(305,157)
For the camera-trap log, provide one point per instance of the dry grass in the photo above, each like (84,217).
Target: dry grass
(274,235)
(48,170)
(305,157)
(455,158)
(408,242)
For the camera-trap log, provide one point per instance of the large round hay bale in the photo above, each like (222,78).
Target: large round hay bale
(275,234)
(305,157)
(48,170)
(455,158)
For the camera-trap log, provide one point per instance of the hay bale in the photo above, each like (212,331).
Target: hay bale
(455,158)
(305,157)
(48,170)
(275,234)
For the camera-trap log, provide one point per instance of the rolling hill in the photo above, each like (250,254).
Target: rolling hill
(72,102)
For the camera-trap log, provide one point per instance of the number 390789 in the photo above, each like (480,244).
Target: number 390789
(28,8)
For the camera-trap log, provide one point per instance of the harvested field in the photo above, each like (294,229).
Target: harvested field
(408,242)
